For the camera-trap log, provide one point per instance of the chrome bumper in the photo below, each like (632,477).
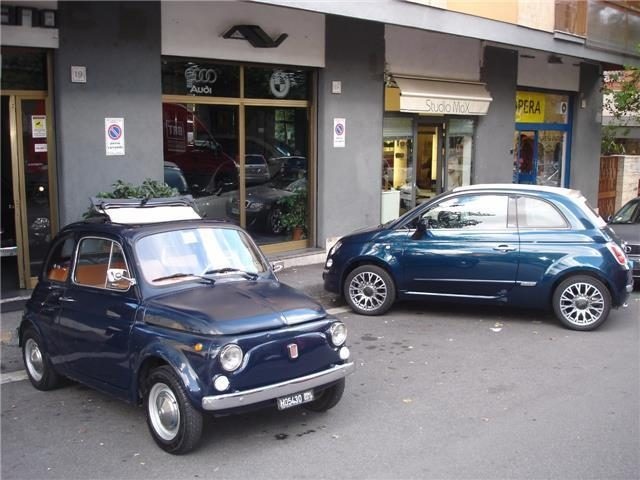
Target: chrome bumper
(270,392)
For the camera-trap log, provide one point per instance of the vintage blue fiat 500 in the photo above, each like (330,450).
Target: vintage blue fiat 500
(182,315)
(525,245)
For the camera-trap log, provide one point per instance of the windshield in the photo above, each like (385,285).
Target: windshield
(627,213)
(183,255)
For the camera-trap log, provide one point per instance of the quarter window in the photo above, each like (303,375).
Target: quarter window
(60,261)
(469,212)
(535,213)
(95,257)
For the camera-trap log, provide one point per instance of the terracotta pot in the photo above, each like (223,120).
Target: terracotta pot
(297,233)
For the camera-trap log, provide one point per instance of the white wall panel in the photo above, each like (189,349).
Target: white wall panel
(195,29)
(537,72)
(23,36)
(429,54)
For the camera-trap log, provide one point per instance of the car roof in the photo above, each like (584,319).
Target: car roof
(521,187)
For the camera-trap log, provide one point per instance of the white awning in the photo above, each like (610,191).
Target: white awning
(440,97)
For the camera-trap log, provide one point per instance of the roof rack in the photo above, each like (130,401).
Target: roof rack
(145,210)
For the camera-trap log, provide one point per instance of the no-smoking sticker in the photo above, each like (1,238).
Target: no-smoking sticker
(114,136)
(339,132)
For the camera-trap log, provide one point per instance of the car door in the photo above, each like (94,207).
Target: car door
(97,315)
(469,248)
(50,292)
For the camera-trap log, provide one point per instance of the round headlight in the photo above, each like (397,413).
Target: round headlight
(231,357)
(338,333)
(221,383)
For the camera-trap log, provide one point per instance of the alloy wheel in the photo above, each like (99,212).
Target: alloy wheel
(368,291)
(582,303)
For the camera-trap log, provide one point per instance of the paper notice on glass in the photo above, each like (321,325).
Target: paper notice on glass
(38,126)
(40,147)
(114,136)
(339,132)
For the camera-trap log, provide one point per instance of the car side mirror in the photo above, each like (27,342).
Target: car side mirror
(423,224)
(609,218)
(115,275)
(277,266)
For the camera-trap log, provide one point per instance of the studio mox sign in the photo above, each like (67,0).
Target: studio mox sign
(443,106)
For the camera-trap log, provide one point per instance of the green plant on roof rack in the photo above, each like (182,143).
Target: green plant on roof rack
(148,189)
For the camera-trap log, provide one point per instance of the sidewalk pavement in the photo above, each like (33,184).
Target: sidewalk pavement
(307,278)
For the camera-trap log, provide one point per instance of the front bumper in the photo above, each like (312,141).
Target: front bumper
(271,392)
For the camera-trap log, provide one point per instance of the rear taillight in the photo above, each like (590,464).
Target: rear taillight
(617,253)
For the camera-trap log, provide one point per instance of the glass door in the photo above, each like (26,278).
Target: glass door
(539,156)
(27,176)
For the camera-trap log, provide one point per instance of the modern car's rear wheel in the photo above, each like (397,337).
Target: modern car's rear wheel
(369,290)
(328,398)
(174,423)
(582,302)
(36,362)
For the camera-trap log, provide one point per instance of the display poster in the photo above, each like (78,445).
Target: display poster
(114,136)
(38,126)
(339,132)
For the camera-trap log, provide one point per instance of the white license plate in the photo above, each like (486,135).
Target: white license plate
(295,399)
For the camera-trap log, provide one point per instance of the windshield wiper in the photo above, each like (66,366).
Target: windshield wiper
(249,275)
(181,275)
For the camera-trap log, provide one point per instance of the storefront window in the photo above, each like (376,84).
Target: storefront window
(201,155)
(458,155)
(24,69)
(276,173)
(269,82)
(199,78)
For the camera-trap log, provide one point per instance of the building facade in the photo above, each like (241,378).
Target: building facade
(329,116)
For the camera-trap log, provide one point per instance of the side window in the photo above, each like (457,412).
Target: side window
(95,257)
(536,213)
(60,260)
(469,212)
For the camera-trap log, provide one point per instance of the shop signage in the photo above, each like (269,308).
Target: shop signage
(530,107)
(443,106)
(38,126)
(200,80)
(114,136)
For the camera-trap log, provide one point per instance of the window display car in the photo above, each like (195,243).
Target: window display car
(528,246)
(626,224)
(184,316)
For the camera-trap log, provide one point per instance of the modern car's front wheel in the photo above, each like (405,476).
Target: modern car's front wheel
(369,290)
(36,361)
(581,302)
(174,423)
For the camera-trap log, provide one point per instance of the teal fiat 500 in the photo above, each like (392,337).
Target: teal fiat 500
(523,245)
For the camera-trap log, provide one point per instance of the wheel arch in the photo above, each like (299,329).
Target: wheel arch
(574,273)
(368,261)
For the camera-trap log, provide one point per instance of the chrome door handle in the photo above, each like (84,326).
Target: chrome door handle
(505,248)
(67,299)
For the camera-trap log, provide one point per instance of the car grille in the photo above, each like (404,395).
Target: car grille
(632,249)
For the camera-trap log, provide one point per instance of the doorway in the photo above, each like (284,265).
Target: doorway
(539,156)
(28,202)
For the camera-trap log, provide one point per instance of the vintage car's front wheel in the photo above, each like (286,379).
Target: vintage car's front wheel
(369,290)
(328,398)
(174,423)
(582,302)
(36,362)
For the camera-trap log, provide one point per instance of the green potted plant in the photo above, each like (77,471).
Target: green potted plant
(294,213)
(148,189)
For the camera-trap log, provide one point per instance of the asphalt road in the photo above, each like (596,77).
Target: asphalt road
(441,391)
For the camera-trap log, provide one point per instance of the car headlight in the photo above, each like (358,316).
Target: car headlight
(231,357)
(255,206)
(338,333)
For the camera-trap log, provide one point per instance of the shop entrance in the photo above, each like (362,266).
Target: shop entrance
(539,156)
(27,220)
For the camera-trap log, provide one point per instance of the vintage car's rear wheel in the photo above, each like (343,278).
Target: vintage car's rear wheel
(328,398)
(174,423)
(369,290)
(36,362)
(582,302)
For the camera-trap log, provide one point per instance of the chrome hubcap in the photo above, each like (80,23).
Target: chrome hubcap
(582,304)
(368,291)
(33,359)
(164,411)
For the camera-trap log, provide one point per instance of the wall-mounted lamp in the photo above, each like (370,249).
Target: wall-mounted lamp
(255,35)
